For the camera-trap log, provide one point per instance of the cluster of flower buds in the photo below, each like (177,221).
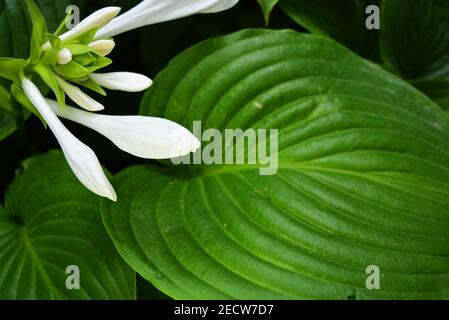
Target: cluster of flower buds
(68,61)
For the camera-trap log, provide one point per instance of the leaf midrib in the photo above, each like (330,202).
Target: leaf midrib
(35,259)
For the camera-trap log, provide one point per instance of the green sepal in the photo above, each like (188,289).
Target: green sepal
(72,70)
(55,41)
(87,36)
(92,85)
(85,59)
(10,68)
(49,78)
(38,36)
(50,57)
(99,64)
(77,49)
(5,99)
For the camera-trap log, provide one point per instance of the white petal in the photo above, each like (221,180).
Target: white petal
(123,81)
(102,47)
(64,56)
(144,137)
(97,19)
(154,11)
(221,6)
(78,96)
(81,159)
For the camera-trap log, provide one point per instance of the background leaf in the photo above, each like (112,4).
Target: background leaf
(415,37)
(51,221)
(7,125)
(341,20)
(363,179)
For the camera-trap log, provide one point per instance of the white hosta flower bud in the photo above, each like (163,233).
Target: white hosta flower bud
(102,47)
(154,11)
(97,19)
(78,96)
(144,137)
(123,81)
(64,56)
(81,159)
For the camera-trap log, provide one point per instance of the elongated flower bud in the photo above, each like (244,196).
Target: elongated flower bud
(97,19)
(123,81)
(154,11)
(144,137)
(64,56)
(78,96)
(81,159)
(102,47)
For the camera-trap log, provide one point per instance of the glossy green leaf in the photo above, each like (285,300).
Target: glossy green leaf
(267,6)
(363,179)
(435,89)
(341,20)
(49,222)
(415,37)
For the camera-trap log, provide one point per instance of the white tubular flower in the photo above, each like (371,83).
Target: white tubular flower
(97,19)
(102,47)
(144,137)
(78,96)
(123,81)
(64,56)
(81,159)
(154,11)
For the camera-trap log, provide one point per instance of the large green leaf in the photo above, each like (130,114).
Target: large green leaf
(363,178)
(415,37)
(15,34)
(50,221)
(341,20)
